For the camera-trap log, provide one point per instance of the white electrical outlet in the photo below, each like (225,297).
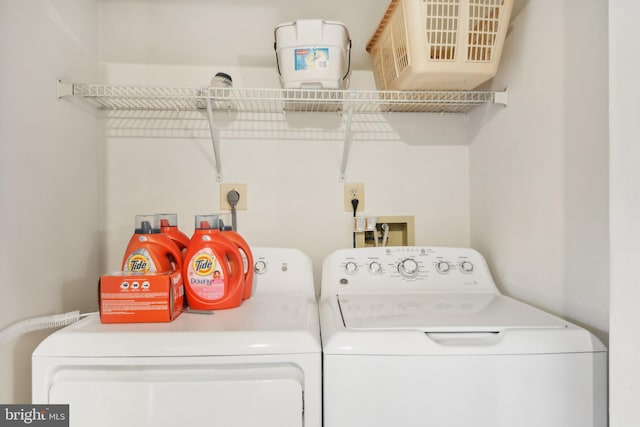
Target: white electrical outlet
(354,190)
(241,189)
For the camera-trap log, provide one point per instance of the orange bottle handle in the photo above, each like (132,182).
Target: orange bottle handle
(244,247)
(248,275)
(173,250)
(177,236)
(236,270)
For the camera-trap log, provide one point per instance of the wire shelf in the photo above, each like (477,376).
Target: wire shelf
(112,97)
(153,99)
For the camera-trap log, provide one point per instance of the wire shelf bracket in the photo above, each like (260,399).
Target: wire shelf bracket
(347,142)
(214,142)
(63,89)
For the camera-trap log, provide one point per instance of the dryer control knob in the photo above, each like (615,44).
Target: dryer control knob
(409,267)
(466,267)
(260,267)
(351,267)
(443,267)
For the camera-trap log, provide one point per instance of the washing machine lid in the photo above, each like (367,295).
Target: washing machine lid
(266,324)
(441,313)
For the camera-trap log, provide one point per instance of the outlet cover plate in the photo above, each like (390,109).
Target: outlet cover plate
(240,188)
(349,190)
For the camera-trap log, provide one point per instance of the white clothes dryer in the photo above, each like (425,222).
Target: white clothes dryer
(255,365)
(421,336)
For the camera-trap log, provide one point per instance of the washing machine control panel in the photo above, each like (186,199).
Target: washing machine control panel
(416,269)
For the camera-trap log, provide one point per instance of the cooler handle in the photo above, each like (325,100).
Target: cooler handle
(348,62)
(275,48)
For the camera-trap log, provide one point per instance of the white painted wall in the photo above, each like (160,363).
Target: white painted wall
(539,169)
(238,33)
(50,246)
(625,211)
(291,165)
(410,165)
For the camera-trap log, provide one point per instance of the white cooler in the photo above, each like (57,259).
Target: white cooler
(313,54)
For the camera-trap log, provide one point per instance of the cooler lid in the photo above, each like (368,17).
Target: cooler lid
(266,324)
(441,313)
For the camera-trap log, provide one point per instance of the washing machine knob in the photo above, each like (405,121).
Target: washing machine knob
(443,267)
(351,267)
(409,267)
(466,267)
(375,267)
(260,267)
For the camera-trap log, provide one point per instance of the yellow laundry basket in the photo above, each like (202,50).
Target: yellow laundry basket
(439,44)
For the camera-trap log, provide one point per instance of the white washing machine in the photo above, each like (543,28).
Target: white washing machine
(421,336)
(255,365)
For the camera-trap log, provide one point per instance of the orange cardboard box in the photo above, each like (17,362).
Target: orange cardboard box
(133,298)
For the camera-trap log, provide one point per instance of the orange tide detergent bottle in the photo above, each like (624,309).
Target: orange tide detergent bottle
(213,273)
(149,250)
(245,252)
(169,226)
